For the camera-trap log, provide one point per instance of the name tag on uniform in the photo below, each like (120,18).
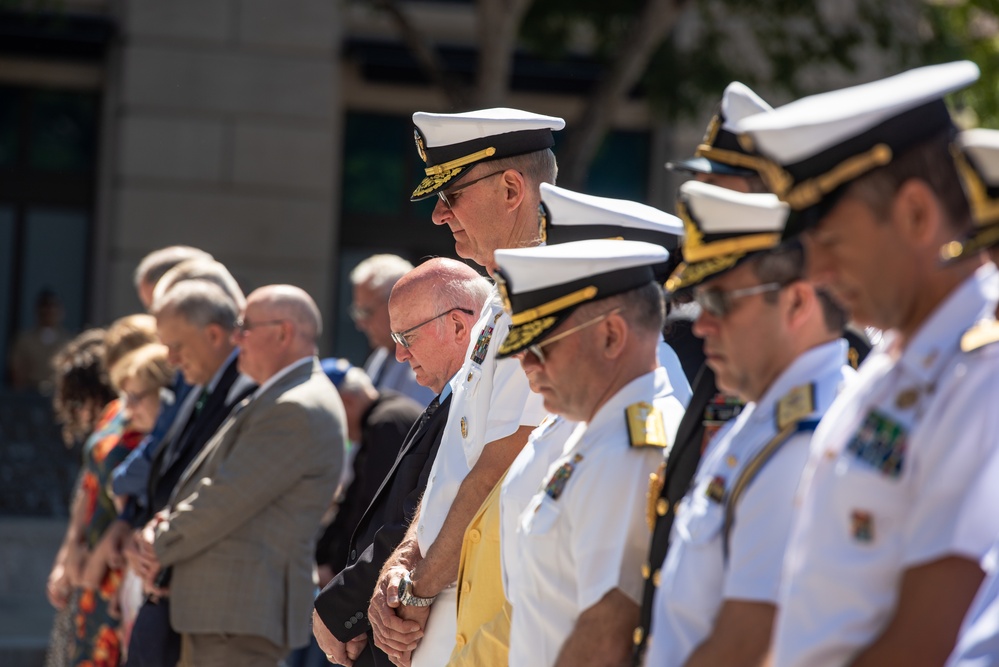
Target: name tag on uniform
(881,443)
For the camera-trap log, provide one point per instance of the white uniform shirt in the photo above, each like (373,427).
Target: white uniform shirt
(593,537)
(899,476)
(695,577)
(527,472)
(491,401)
(523,480)
(978,642)
(677,378)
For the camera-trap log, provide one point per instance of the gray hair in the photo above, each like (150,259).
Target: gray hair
(644,308)
(356,382)
(200,302)
(380,272)
(201,269)
(154,265)
(537,167)
(470,293)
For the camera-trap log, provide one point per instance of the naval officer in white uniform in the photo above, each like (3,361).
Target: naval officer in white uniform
(774,341)
(485,168)
(587,317)
(896,509)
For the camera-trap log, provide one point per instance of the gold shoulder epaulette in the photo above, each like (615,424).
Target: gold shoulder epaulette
(795,406)
(645,426)
(980,335)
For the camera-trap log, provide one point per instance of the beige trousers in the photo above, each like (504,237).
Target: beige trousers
(213,650)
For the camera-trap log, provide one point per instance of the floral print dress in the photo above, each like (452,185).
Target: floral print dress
(97,640)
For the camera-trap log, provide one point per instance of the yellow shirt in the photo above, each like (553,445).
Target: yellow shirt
(483,613)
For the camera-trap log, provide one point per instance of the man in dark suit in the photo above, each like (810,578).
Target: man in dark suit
(432,311)
(240,528)
(195,320)
(377,424)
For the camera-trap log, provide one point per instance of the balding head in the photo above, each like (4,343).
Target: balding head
(446,283)
(281,324)
(436,306)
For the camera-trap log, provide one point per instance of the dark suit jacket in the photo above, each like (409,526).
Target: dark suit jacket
(173,456)
(343,604)
(385,425)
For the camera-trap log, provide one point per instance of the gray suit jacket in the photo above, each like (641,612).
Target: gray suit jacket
(244,516)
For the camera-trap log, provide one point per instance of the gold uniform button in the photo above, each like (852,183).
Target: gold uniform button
(638,636)
(474,535)
(465,587)
(469,378)
(657,578)
(645,571)
(464,427)
(662,506)
(460,640)
(731,461)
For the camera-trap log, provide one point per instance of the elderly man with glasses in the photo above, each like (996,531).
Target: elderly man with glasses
(433,308)
(773,340)
(240,529)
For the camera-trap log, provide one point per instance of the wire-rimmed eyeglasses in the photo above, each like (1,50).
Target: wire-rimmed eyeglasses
(400,337)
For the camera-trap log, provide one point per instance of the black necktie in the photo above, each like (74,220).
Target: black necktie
(200,405)
(429,412)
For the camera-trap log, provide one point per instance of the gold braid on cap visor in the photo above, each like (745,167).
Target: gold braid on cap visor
(811,192)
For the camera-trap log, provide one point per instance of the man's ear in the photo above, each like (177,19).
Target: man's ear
(515,189)
(917,213)
(458,325)
(802,302)
(616,338)
(216,335)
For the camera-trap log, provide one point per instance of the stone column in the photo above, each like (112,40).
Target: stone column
(226,118)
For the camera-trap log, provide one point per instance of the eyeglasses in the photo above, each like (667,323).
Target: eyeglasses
(537,348)
(357,313)
(719,304)
(400,337)
(131,398)
(244,326)
(444,196)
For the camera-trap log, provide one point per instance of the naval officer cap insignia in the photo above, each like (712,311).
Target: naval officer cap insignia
(724,228)
(720,151)
(567,216)
(976,153)
(813,147)
(546,284)
(451,144)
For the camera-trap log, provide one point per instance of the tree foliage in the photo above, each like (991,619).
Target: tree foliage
(680,54)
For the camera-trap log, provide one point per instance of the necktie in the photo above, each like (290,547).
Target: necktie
(202,399)
(429,412)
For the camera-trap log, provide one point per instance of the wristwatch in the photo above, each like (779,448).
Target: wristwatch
(406,596)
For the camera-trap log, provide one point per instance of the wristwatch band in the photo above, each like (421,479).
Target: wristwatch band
(406,596)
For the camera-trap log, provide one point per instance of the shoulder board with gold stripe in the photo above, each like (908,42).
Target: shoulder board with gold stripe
(983,333)
(645,426)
